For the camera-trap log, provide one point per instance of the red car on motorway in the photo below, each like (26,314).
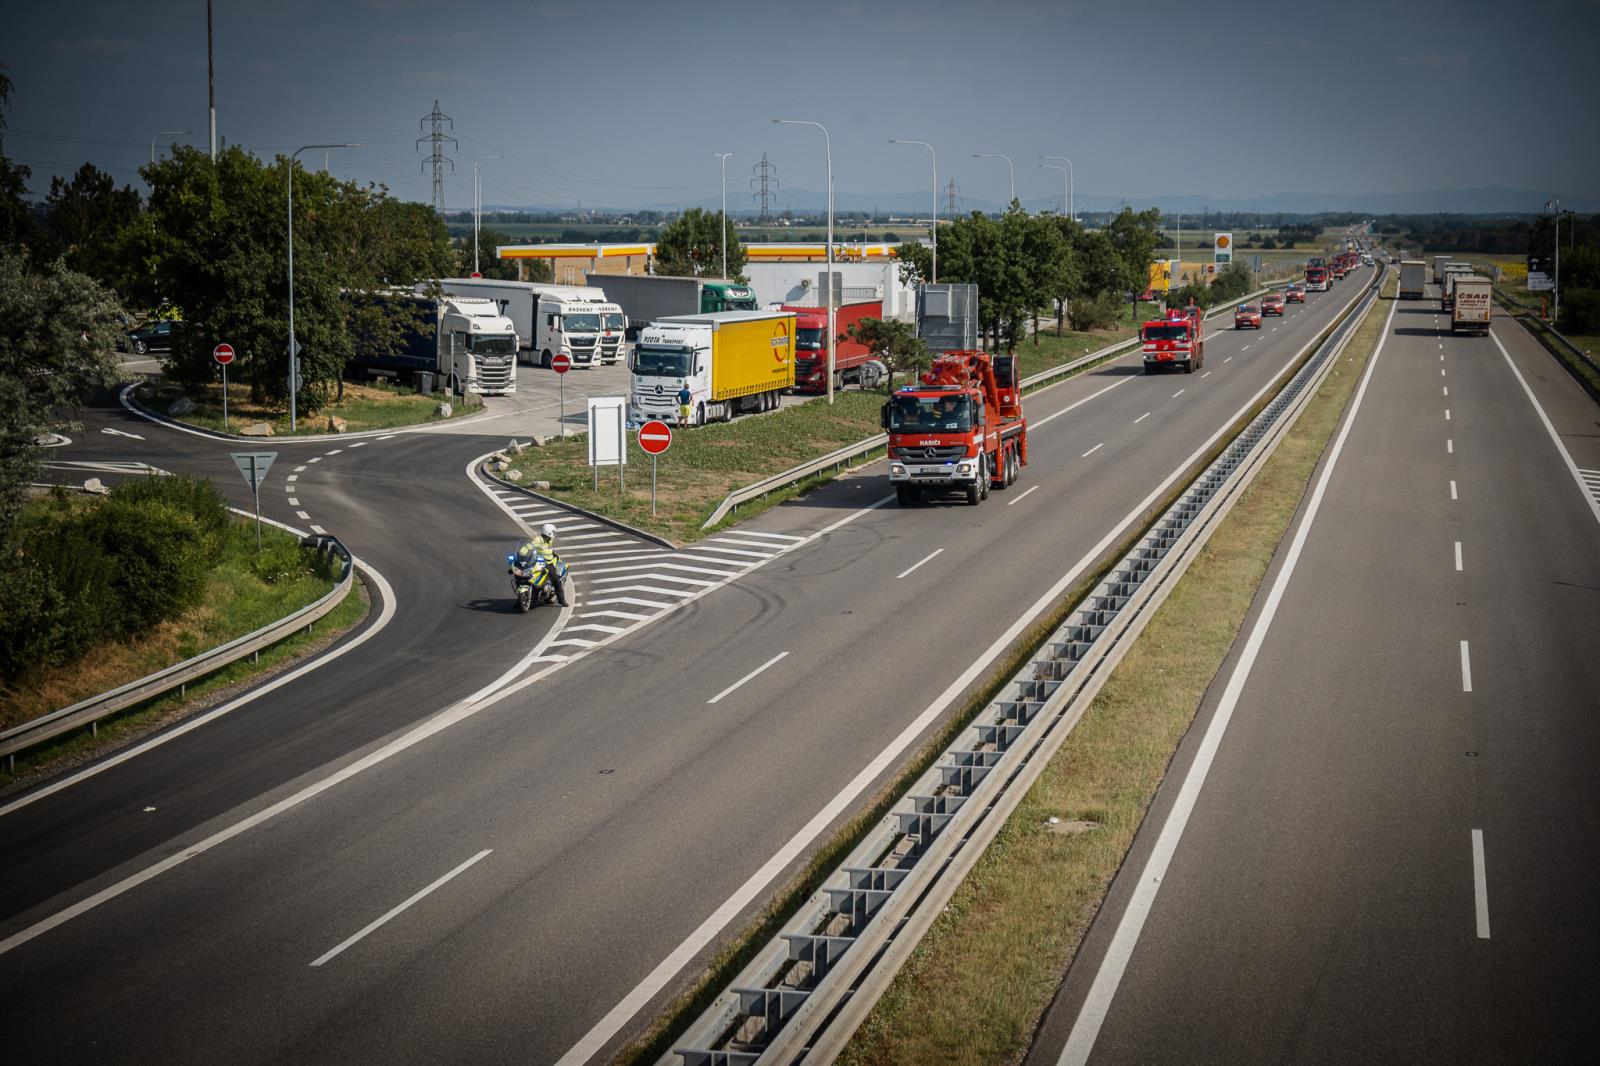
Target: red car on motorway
(1247,315)
(1272,304)
(1294,294)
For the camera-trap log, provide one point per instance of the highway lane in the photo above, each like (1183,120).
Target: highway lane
(621,807)
(1394,851)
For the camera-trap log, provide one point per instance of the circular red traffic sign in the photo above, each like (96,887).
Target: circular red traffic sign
(223,353)
(476,274)
(561,363)
(655,437)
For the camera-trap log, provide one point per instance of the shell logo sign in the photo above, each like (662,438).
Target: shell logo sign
(1222,246)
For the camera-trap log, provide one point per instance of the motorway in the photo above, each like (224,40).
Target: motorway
(482,835)
(1394,852)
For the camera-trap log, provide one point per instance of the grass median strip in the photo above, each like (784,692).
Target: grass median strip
(974,990)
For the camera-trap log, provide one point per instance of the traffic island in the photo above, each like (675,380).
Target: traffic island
(362,408)
(702,465)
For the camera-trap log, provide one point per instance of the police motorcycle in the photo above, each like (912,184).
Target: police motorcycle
(536,582)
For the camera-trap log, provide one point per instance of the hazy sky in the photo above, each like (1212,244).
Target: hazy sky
(623,103)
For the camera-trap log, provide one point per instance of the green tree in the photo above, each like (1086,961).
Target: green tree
(692,246)
(1103,268)
(893,343)
(95,226)
(1136,238)
(1056,278)
(57,330)
(16,218)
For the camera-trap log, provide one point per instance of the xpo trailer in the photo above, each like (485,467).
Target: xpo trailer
(729,362)
(960,430)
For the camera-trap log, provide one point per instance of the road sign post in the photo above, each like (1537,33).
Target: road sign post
(608,437)
(223,354)
(654,438)
(561,363)
(254,467)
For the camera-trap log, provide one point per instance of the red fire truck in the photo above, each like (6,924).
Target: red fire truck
(960,429)
(1178,340)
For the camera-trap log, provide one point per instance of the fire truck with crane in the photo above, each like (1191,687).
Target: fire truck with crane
(959,429)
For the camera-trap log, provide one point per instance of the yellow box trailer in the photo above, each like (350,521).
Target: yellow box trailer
(693,369)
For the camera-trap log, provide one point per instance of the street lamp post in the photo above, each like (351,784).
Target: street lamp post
(723,156)
(1010,169)
(165,133)
(1072,180)
(935,155)
(1064,193)
(827,143)
(292,345)
(477,205)
(1555,315)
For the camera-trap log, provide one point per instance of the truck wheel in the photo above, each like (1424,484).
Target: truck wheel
(700,415)
(984,479)
(544,360)
(906,495)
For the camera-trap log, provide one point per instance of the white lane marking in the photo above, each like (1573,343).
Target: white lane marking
(389,436)
(1441,369)
(1466,668)
(927,558)
(1453,490)
(395,911)
(592,627)
(1436,322)
(1566,457)
(315,459)
(655,576)
(1246,348)
(1180,392)
(747,677)
(1458,555)
(293,477)
(1480,885)
(654,590)
(302,516)
(1141,418)
(120,433)
(708,547)
(663,566)
(663,972)
(1019,499)
(609,534)
(318,529)
(335,451)
(1229,359)
(1091,451)
(300,468)
(1441,358)
(1449,446)
(1096,1005)
(293,502)
(1080,403)
(359,444)
(626,616)
(1207,374)
(774,536)
(1446,389)
(747,543)
(1447,414)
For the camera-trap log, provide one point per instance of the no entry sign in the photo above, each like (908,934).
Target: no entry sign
(223,353)
(561,363)
(655,437)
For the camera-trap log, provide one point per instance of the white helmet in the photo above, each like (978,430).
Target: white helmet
(549,531)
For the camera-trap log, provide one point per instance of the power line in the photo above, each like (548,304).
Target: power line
(438,158)
(767,180)
(952,198)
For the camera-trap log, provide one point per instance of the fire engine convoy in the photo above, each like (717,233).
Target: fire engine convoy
(960,429)
(1178,340)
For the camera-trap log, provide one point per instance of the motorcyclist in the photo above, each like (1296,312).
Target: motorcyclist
(544,543)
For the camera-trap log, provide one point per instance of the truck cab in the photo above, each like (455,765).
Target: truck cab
(718,296)
(478,345)
(961,429)
(1175,341)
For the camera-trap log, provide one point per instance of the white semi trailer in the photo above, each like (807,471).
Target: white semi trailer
(573,320)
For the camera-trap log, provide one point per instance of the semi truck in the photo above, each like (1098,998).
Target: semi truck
(1473,308)
(1438,268)
(462,343)
(1413,279)
(647,298)
(852,361)
(1452,271)
(727,362)
(575,320)
(960,429)
(1175,340)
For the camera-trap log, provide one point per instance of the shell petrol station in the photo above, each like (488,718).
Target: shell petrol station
(570,262)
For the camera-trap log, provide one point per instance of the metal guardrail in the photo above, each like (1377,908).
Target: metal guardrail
(852,452)
(1518,311)
(178,676)
(806,991)
(843,456)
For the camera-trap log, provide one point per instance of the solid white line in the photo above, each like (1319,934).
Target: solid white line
(397,910)
(747,677)
(660,566)
(1466,668)
(1080,403)
(709,547)
(1480,884)
(1141,418)
(903,573)
(604,534)
(1091,451)
(774,536)
(1086,1029)
(1023,496)
(1453,490)
(701,582)
(1555,438)
(1458,555)
(769,546)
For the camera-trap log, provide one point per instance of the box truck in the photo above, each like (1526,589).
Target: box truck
(457,342)
(575,320)
(1473,306)
(728,362)
(1438,268)
(1413,279)
(646,298)
(1452,271)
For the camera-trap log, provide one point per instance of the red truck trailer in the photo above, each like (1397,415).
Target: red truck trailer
(852,361)
(960,429)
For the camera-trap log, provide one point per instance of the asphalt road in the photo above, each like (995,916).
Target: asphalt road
(620,807)
(1394,853)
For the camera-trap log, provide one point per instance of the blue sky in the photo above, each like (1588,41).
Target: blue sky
(624,103)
